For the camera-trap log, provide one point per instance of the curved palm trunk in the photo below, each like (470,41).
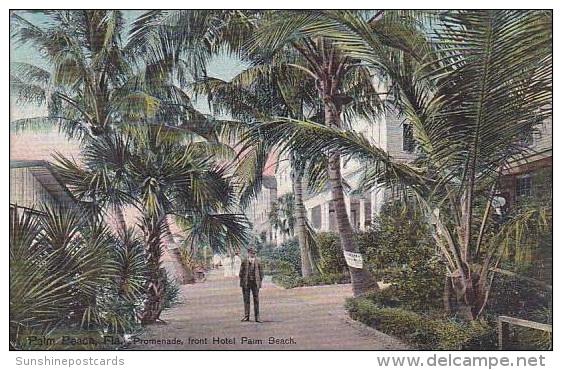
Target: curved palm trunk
(300,214)
(361,280)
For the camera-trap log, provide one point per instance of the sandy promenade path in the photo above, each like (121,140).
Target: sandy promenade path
(311,318)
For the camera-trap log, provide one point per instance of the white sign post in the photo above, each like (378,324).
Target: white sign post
(353,259)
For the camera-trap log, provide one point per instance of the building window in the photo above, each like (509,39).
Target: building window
(407,138)
(530,139)
(527,139)
(523,186)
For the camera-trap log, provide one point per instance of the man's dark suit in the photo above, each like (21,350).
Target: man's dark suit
(251,275)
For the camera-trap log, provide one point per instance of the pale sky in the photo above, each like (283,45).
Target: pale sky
(223,66)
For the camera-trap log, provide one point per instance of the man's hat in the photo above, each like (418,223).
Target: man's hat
(251,250)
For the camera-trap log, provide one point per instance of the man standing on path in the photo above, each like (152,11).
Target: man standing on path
(251,275)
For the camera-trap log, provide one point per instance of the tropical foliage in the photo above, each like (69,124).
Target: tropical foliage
(70,276)
(96,87)
(471,85)
(91,80)
(471,93)
(154,170)
(282,215)
(283,56)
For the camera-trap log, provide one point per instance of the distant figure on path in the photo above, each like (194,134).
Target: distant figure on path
(251,275)
(216,261)
(227,266)
(237,262)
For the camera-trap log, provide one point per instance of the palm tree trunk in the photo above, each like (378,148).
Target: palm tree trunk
(362,281)
(154,303)
(300,225)
(447,295)
(461,282)
(175,267)
(120,220)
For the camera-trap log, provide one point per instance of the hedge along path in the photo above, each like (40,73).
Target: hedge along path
(314,317)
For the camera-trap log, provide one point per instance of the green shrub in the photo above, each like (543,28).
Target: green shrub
(399,249)
(274,268)
(526,339)
(293,281)
(331,256)
(456,334)
(419,286)
(284,264)
(406,325)
(388,297)
(396,237)
(514,297)
(286,281)
(532,339)
(422,331)
(282,259)
(72,277)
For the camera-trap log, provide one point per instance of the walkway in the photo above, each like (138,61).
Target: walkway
(311,318)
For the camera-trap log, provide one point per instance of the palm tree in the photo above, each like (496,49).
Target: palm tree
(253,95)
(163,175)
(274,37)
(344,88)
(94,86)
(93,81)
(180,180)
(86,67)
(279,34)
(472,90)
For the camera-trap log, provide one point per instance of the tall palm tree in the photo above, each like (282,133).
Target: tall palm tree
(86,68)
(163,175)
(344,88)
(92,80)
(256,94)
(271,36)
(471,90)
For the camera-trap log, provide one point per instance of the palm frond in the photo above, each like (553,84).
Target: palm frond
(309,138)
(223,232)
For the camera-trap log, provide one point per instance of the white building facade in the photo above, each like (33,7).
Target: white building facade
(389,132)
(260,207)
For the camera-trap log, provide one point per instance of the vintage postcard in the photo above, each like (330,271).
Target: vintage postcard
(281,180)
